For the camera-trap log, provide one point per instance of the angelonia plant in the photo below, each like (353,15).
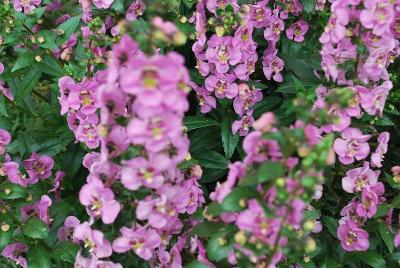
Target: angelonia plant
(199,133)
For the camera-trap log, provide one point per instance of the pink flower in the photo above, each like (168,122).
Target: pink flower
(142,241)
(352,238)
(358,178)
(297,30)
(6,91)
(26,6)
(370,200)
(93,240)
(222,53)
(39,209)
(206,101)
(65,232)
(99,200)
(243,125)
(273,66)
(254,221)
(373,101)
(38,166)
(377,16)
(140,172)
(223,86)
(14,175)
(381,149)
(14,252)
(213,5)
(265,122)
(352,145)
(102,3)
(5,138)
(259,149)
(135,10)
(397,240)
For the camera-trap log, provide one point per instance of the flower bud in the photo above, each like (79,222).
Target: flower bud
(310,245)
(240,237)
(38,58)
(5,227)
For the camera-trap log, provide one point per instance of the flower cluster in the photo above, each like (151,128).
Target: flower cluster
(228,58)
(142,103)
(19,184)
(285,181)
(359,43)
(79,102)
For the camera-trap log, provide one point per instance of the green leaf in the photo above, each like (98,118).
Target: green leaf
(9,191)
(207,228)
(24,60)
(386,236)
(35,228)
(371,258)
(211,159)
(5,238)
(66,251)
(68,27)
(38,257)
(229,140)
(219,244)
(232,202)
(309,5)
(50,66)
(396,202)
(195,122)
(332,225)
(382,210)
(3,110)
(211,175)
(266,172)
(195,264)
(28,83)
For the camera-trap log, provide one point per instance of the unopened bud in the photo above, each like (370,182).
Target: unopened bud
(5,227)
(306,259)
(309,225)
(310,245)
(7,191)
(240,237)
(60,32)
(242,203)
(183,19)
(220,31)
(280,182)
(179,39)
(38,58)
(103,131)
(221,241)
(41,39)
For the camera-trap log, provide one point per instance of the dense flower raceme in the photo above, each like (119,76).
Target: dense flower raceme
(228,57)
(362,34)
(25,178)
(142,102)
(285,181)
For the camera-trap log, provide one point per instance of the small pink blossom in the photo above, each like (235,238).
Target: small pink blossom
(353,145)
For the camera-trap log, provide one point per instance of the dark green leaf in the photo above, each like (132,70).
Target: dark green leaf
(232,201)
(229,140)
(386,236)
(24,60)
(207,228)
(66,251)
(68,28)
(29,82)
(266,172)
(10,191)
(38,257)
(332,225)
(195,122)
(35,228)
(211,159)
